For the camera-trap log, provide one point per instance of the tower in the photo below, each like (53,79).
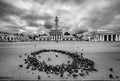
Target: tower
(56,34)
(56,22)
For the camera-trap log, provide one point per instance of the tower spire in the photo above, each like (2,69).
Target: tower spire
(56,22)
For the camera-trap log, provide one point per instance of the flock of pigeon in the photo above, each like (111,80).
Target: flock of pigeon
(79,67)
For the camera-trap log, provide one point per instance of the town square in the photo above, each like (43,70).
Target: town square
(59,40)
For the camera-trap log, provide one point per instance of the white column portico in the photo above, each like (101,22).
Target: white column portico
(108,37)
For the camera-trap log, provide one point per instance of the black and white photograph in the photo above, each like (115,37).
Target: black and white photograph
(59,40)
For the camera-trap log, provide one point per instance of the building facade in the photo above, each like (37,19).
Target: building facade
(55,34)
(12,38)
(68,38)
(106,36)
(42,38)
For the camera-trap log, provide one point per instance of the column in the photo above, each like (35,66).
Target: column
(107,37)
(10,38)
(55,36)
(119,37)
(103,37)
(112,37)
(59,36)
(116,37)
(100,37)
(2,37)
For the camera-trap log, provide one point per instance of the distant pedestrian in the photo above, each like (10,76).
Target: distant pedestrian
(39,77)
(111,69)
(20,66)
(49,59)
(68,61)
(25,54)
(39,56)
(48,76)
(111,76)
(20,56)
(116,76)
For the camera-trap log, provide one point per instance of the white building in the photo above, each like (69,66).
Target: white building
(69,38)
(12,38)
(55,34)
(106,36)
(102,36)
(42,38)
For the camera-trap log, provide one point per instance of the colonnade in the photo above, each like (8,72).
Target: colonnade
(109,37)
(56,37)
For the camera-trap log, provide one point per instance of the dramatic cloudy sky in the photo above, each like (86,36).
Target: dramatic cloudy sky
(76,16)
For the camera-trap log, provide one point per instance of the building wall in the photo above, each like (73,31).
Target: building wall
(13,38)
(107,37)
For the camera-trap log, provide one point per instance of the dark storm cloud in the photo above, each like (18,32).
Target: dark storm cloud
(37,17)
(79,15)
(33,24)
(41,1)
(99,18)
(80,30)
(48,25)
(6,9)
(61,1)
(32,18)
(14,29)
(71,1)
(115,6)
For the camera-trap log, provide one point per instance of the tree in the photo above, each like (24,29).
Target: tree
(66,33)
(74,35)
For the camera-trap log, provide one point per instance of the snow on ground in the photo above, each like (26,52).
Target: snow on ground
(105,54)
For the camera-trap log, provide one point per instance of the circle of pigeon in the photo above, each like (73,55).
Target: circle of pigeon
(80,66)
